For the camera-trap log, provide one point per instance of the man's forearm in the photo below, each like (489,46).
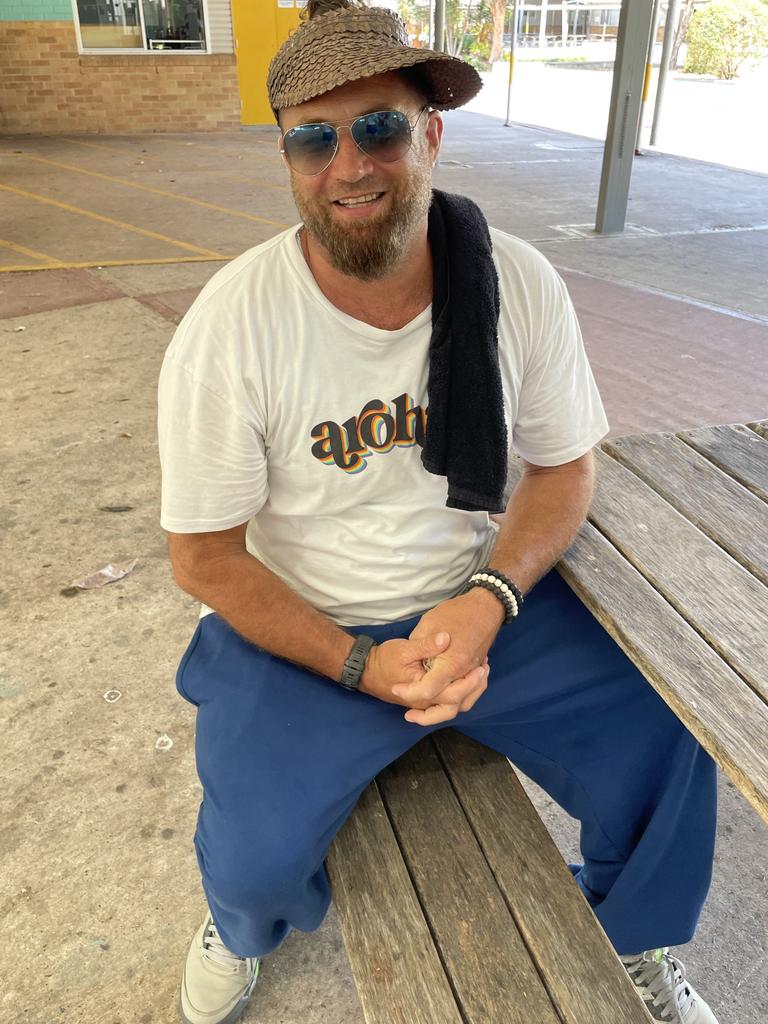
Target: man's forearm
(263,609)
(543,516)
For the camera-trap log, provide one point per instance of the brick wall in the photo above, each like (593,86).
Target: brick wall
(46,86)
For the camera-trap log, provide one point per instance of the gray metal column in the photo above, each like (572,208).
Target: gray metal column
(628,75)
(439,25)
(648,71)
(512,53)
(670,27)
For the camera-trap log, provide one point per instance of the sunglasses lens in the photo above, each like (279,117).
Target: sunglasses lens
(385,135)
(309,148)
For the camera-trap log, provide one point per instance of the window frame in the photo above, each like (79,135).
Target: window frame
(141,51)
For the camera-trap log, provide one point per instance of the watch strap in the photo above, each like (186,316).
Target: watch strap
(355,663)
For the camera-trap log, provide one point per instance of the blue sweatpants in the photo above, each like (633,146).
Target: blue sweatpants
(283,755)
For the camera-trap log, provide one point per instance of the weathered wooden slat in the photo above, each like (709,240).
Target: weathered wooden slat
(713,501)
(738,451)
(719,598)
(587,981)
(760,427)
(490,968)
(397,970)
(726,717)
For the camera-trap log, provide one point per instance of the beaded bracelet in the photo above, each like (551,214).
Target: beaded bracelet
(502,587)
(505,579)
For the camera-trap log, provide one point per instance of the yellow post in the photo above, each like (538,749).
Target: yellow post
(647,81)
(512,48)
(648,73)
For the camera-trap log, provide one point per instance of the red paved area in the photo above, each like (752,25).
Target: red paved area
(665,363)
(21,294)
(662,363)
(172,304)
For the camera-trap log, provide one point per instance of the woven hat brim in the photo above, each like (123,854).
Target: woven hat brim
(448,82)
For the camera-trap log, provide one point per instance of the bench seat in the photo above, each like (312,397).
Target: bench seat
(457,908)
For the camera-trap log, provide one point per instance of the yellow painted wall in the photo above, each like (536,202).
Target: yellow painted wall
(260,28)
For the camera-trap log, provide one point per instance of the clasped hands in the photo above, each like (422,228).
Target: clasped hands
(442,668)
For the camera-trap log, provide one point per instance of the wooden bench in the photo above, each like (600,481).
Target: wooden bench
(455,905)
(457,908)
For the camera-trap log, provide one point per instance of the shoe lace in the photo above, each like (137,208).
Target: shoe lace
(663,976)
(216,951)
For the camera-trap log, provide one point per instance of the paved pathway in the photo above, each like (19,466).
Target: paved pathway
(100,883)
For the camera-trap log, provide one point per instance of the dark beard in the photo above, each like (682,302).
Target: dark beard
(369,251)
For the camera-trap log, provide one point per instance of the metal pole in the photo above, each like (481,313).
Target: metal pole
(512,50)
(669,35)
(439,25)
(543,24)
(431,25)
(619,152)
(648,72)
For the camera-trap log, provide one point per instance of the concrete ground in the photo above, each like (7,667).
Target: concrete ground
(99,891)
(701,117)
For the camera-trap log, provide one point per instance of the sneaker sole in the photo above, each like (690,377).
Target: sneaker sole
(234,1014)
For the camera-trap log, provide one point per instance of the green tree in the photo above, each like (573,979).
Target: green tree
(686,13)
(469,27)
(725,34)
(499,15)
(460,25)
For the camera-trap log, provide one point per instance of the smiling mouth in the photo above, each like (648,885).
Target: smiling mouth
(365,200)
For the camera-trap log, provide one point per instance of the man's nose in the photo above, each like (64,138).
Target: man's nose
(350,162)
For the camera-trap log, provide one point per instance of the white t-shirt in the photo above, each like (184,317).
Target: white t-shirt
(278,409)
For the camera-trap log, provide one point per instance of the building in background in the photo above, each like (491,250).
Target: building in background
(550,23)
(541,23)
(138,65)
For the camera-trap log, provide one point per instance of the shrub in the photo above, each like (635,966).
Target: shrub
(725,34)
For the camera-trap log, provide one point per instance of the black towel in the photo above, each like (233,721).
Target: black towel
(466,437)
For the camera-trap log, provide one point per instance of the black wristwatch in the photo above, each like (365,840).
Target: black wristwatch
(355,663)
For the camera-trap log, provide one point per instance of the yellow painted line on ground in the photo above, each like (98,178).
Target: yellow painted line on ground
(155,191)
(152,156)
(159,159)
(90,264)
(110,220)
(51,260)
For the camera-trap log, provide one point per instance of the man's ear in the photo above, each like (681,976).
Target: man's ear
(434,135)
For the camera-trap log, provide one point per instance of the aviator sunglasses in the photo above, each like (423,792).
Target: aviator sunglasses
(385,135)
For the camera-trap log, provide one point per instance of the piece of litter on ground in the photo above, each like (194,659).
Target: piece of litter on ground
(115,508)
(164,743)
(17,329)
(111,696)
(109,574)
(125,433)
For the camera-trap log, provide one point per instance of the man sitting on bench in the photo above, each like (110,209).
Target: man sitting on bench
(337,412)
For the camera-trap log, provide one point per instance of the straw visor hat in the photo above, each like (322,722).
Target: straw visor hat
(341,41)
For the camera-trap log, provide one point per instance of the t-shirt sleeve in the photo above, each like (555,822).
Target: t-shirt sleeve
(559,415)
(212,457)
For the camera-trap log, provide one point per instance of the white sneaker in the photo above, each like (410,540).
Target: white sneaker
(217,983)
(660,980)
